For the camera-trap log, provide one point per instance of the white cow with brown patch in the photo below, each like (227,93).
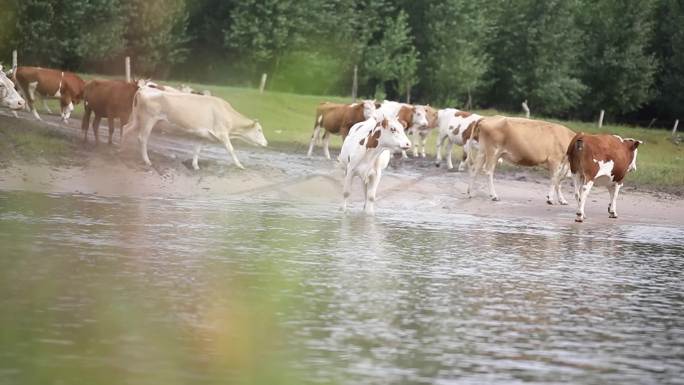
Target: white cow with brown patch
(523,142)
(602,160)
(366,152)
(204,116)
(9,97)
(337,119)
(455,127)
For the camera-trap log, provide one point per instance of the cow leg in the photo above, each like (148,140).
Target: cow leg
(143,135)
(96,128)
(45,105)
(231,150)
(475,171)
(67,106)
(85,122)
(449,150)
(32,98)
(346,187)
(614,189)
(314,138)
(374,181)
(423,140)
(326,145)
(583,194)
(195,156)
(110,123)
(416,144)
(561,174)
(438,149)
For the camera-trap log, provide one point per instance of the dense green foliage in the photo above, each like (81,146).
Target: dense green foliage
(567,58)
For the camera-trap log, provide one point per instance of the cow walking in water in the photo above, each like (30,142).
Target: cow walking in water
(111,99)
(49,83)
(602,160)
(366,152)
(204,116)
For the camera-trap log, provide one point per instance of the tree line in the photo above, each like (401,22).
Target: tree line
(567,58)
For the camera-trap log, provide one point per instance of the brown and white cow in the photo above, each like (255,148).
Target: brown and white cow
(204,116)
(49,83)
(600,160)
(456,127)
(523,142)
(111,99)
(366,151)
(415,117)
(337,119)
(420,133)
(9,97)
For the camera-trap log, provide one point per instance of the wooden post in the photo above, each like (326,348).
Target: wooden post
(263,83)
(14,59)
(526,109)
(128,68)
(408,94)
(674,129)
(600,122)
(355,83)
(652,121)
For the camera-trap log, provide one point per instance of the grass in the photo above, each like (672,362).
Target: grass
(28,140)
(288,123)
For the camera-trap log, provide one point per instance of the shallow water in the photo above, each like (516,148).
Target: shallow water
(99,290)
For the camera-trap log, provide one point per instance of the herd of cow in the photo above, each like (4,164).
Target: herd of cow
(371,132)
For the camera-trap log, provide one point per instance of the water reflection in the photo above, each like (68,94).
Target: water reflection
(109,290)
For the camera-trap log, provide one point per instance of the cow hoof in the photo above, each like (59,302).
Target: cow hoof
(495,198)
(579,220)
(436,164)
(563,203)
(612,216)
(549,201)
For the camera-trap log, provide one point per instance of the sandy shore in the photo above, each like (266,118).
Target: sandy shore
(413,184)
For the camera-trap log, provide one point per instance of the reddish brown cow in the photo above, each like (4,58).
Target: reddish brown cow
(601,160)
(49,83)
(107,99)
(336,119)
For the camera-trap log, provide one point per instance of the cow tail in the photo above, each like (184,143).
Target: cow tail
(574,154)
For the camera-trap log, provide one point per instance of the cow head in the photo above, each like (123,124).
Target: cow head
(632,145)
(420,119)
(254,134)
(368,108)
(9,97)
(389,133)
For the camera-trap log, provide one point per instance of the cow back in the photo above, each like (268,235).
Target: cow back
(110,98)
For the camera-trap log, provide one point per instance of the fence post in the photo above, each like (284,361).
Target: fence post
(14,59)
(355,82)
(408,94)
(526,109)
(600,122)
(263,83)
(674,129)
(128,69)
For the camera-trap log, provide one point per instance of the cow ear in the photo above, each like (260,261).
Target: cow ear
(256,121)
(637,143)
(403,123)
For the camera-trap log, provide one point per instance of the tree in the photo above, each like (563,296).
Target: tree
(393,58)
(615,61)
(456,59)
(156,34)
(534,53)
(668,46)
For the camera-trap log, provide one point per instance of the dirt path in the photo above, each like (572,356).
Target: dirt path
(414,184)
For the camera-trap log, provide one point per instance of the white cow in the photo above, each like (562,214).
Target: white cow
(366,152)
(453,125)
(205,116)
(9,97)
(414,117)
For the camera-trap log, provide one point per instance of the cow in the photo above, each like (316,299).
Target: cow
(208,117)
(111,99)
(600,160)
(455,127)
(9,97)
(414,117)
(49,83)
(366,152)
(420,133)
(336,119)
(523,142)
